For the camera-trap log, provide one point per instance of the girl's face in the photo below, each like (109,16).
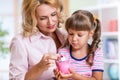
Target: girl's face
(47,18)
(79,39)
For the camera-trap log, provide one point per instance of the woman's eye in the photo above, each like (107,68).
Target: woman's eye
(42,18)
(70,33)
(54,14)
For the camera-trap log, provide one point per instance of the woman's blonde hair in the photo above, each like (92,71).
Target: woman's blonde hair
(29,21)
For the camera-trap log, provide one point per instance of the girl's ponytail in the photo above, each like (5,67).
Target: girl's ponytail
(95,42)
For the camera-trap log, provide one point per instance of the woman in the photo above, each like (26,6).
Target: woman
(33,51)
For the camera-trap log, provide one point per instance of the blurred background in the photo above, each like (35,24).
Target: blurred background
(108,11)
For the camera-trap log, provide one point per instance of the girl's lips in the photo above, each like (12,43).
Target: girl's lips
(74,44)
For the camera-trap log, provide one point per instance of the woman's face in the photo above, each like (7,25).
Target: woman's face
(47,19)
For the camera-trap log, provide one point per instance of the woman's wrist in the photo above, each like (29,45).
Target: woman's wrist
(40,68)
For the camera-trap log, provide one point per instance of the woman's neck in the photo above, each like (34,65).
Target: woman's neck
(55,38)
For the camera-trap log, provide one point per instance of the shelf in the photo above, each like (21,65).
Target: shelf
(110,34)
(110,22)
(111,61)
(100,6)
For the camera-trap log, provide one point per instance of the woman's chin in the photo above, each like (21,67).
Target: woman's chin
(52,30)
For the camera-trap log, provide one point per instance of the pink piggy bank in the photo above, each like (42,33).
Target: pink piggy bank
(63,65)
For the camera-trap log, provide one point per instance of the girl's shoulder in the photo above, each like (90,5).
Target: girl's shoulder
(99,51)
(64,50)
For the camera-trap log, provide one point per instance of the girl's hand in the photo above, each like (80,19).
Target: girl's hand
(61,76)
(48,60)
(73,73)
(75,76)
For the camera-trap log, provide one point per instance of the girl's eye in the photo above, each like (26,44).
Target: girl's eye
(54,14)
(80,35)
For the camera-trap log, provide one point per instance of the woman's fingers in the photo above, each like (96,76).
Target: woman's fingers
(53,56)
(48,60)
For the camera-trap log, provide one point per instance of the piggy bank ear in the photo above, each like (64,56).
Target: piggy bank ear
(63,58)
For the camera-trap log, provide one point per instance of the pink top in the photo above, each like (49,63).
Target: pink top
(26,52)
(80,66)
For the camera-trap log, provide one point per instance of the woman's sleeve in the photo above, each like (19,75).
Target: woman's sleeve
(98,64)
(18,61)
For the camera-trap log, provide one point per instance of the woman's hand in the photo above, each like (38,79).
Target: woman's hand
(48,60)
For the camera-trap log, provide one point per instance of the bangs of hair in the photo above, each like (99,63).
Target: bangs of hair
(78,22)
(55,3)
(58,5)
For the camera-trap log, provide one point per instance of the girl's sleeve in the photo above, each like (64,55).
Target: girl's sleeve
(18,61)
(98,64)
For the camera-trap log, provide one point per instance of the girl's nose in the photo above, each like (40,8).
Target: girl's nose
(74,37)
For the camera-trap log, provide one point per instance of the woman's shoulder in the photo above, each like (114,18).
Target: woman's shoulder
(18,37)
(63,32)
(16,41)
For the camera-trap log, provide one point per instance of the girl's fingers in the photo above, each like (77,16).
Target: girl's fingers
(71,70)
(61,76)
(65,76)
(57,74)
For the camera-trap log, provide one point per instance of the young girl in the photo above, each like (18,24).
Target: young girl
(85,58)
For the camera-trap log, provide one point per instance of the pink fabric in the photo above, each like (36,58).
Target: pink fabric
(63,66)
(26,52)
(80,66)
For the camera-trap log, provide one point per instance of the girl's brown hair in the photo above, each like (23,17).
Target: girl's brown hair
(29,21)
(83,20)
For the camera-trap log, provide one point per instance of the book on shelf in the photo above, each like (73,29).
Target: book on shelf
(113,25)
(111,48)
(113,71)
